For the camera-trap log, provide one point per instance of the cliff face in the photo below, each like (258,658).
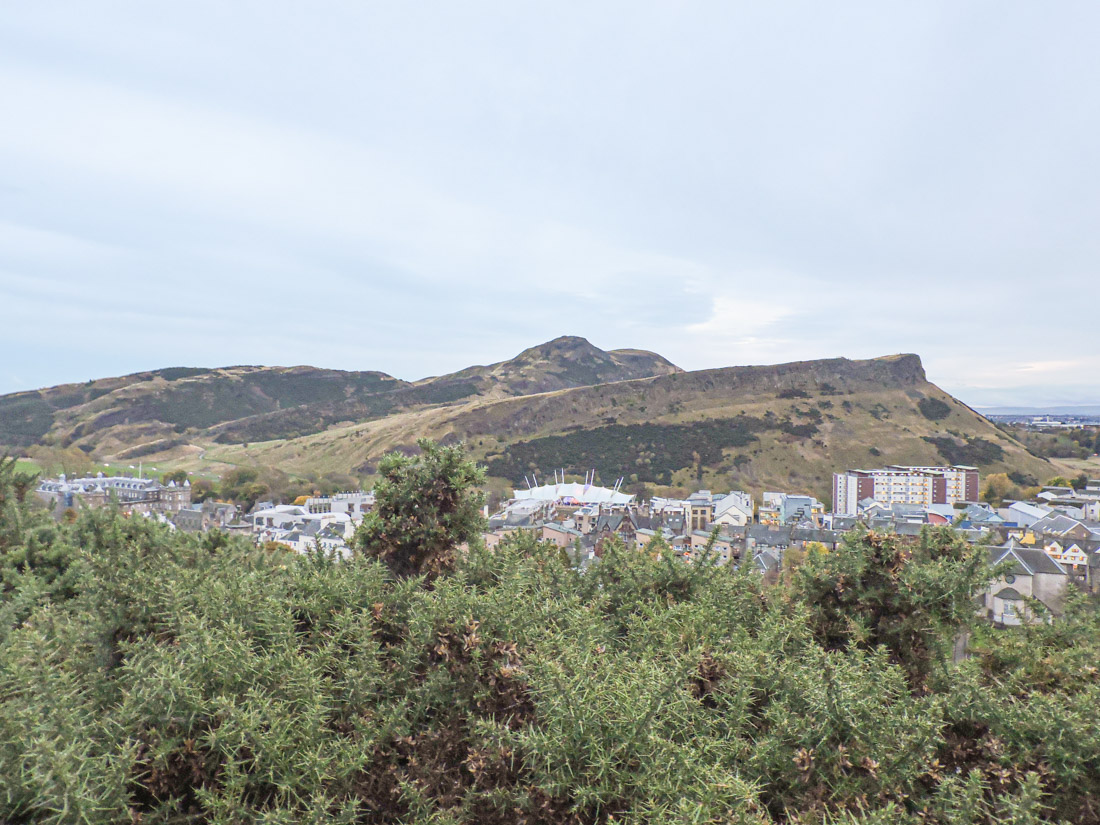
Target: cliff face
(676,393)
(889,371)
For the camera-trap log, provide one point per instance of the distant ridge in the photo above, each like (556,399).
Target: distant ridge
(568,361)
(564,404)
(253,403)
(782,427)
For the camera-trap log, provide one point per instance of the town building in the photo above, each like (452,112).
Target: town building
(784,508)
(734,510)
(561,534)
(1030,574)
(356,503)
(898,484)
(573,493)
(299,529)
(146,496)
(209,515)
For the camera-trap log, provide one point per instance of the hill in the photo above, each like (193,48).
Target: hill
(565,362)
(788,426)
(174,404)
(562,405)
(151,412)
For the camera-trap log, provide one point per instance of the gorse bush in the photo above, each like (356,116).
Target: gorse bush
(904,596)
(200,679)
(426,505)
(934,409)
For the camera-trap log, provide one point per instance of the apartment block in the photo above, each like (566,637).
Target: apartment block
(897,484)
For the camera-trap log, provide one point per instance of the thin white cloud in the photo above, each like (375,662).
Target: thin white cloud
(738,318)
(1047,367)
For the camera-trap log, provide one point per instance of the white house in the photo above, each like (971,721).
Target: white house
(356,503)
(1067,553)
(1031,574)
(1024,514)
(734,509)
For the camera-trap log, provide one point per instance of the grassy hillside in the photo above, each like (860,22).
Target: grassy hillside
(175,401)
(562,405)
(787,426)
(156,412)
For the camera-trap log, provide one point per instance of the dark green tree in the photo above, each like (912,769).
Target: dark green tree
(235,482)
(426,505)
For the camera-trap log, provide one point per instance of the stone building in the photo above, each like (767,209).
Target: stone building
(133,495)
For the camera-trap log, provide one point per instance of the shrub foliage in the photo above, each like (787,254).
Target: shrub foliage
(934,409)
(969,451)
(200,679)
(653,452)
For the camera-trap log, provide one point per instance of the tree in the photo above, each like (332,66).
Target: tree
(235,482)
(251,493)
(201,490)
(425,506)
(997,488)
(178,476)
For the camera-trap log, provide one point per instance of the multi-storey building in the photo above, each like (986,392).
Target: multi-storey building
(356,503)
(783,508)
(135,495)
(897,484)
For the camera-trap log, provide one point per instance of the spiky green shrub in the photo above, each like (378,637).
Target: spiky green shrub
(195,680)
(426,506)
(907,596)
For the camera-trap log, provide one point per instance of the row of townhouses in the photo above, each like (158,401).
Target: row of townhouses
(1048,542)
(326,523)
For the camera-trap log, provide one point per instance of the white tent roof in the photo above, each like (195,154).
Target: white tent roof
(580,493)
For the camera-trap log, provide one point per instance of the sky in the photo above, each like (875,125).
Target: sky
(417,187)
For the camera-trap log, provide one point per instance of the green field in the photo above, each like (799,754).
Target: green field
(27,465)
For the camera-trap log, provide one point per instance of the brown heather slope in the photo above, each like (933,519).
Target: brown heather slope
(787,426)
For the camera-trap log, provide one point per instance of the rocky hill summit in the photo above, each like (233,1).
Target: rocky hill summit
(568,361)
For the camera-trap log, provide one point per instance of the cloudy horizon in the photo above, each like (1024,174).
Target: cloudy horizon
(414,189)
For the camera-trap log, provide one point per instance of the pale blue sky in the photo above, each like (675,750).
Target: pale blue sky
(416,187)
